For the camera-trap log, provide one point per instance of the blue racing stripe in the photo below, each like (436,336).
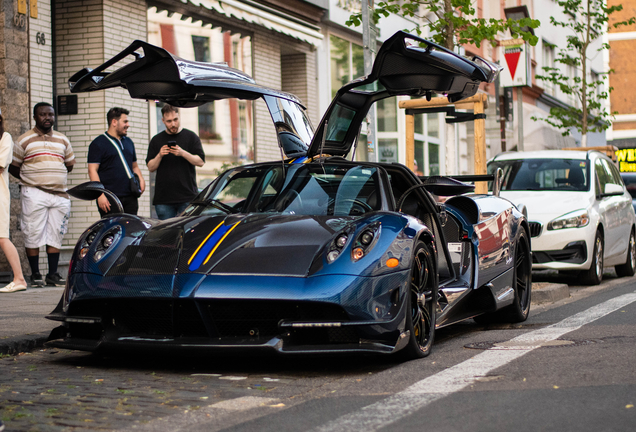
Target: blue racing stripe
(207,247)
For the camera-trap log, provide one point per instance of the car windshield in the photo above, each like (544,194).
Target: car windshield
(543,174)
(305,189)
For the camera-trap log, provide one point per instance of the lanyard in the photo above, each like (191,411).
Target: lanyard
(121,156)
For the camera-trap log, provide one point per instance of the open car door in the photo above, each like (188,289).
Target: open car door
(155,74)
(405,65)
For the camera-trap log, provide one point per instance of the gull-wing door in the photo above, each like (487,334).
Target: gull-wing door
(155,74)
(404,65)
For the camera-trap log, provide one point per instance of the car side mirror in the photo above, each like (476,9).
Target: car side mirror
(613,189)
(92,190)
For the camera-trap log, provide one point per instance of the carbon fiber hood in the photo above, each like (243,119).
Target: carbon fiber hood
(236,244)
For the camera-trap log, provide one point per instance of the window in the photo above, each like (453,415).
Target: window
(207,126)
(543,174)
(388,150)
(427,144)
(548,61)
(242,107)
(347,62)
(387,115)
(201,45)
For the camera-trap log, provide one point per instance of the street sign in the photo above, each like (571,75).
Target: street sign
(516,61)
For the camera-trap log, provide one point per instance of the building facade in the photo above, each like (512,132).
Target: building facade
(44,42)
(622,40)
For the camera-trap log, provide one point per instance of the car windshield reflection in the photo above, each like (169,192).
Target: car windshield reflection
(318,190)
(543,174)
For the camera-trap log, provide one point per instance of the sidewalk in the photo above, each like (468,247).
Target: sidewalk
(22,323)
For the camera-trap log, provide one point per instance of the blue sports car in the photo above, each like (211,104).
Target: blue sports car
(314,253)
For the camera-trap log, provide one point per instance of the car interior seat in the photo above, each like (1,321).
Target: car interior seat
(576,178)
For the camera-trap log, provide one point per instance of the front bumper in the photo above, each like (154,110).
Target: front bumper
(565,249)
(286,315)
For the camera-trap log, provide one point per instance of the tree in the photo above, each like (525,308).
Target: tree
(451,22)
(587,21)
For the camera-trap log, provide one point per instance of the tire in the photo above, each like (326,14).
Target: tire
(629,268)
(594,275)
(421,304)
(519,310)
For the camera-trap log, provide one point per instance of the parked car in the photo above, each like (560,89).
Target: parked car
(579,211)
(315,253)
(629,179)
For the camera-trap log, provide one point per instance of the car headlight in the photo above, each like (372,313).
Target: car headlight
(337,246)
(106,242)
(365,241)
(88,240)
(575,219)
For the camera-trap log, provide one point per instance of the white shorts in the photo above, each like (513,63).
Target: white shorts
(44,218)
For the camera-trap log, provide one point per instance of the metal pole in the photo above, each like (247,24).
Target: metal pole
(368,49)
(520,118)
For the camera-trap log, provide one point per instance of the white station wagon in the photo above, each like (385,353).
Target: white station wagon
(580,213)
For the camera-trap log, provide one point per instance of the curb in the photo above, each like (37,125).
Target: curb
(18,344)
(549,292)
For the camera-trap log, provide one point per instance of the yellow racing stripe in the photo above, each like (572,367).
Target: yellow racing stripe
(203,242)
(220,241)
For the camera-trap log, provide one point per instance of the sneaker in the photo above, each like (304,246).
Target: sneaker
(36,280)
(12,287)
(55,280)
(1,426)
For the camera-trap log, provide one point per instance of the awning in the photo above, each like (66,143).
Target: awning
(269,18)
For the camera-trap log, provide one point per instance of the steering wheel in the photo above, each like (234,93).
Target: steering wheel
(358,207)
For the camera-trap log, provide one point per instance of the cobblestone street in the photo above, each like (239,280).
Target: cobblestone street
(58,390)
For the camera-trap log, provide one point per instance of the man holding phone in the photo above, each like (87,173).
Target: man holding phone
(173,154)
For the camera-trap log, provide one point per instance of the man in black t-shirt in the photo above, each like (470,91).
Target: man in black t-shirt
(174,153)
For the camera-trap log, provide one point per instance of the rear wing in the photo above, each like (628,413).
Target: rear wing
(496,178)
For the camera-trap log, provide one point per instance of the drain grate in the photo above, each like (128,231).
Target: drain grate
(554,343)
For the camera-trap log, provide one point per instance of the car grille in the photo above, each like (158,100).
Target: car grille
(186,318)
(535,228)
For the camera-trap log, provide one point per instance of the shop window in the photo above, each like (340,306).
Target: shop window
(433,159)
(388,150)
(418,161)
(432,121)
(387,115)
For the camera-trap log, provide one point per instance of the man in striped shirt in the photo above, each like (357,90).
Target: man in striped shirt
(42,158)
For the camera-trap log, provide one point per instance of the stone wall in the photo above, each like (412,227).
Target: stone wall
(14,100)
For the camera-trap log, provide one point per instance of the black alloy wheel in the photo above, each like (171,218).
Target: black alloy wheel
(519,310)
(629,268)
(421,304)
(594,275)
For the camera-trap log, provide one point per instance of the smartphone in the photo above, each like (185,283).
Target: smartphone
(172,144)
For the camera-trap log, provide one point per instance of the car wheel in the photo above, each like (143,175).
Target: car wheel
(629,268)
(421,304)
(594,275)
(519,310)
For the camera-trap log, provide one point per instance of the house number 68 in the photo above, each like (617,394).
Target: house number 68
(40,38)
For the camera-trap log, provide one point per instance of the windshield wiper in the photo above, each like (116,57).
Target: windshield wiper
(216,204)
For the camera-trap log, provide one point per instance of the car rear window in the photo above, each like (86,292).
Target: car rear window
(543,174)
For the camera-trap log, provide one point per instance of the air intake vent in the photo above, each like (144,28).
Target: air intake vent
(535,229)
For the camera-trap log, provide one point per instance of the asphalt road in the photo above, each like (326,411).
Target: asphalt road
(570,367)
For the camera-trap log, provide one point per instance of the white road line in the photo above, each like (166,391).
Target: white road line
(189,419)
(462,375)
